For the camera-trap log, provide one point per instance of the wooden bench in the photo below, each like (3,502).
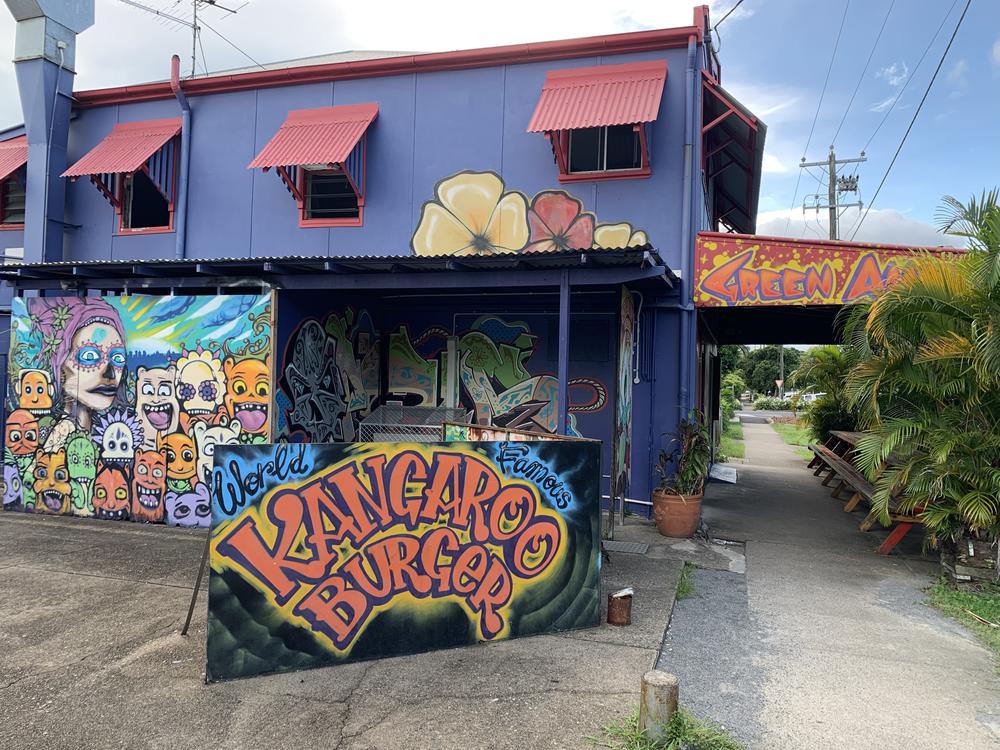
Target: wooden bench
(904,521)
(826,458)
(846,476)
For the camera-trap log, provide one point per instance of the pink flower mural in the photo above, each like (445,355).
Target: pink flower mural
(473,213)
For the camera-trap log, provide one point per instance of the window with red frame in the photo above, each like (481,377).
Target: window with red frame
(612,148)
(143,204)
(12,201)
(329,197)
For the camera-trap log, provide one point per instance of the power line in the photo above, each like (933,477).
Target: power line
(864,70)
(911,75)
(915,114)
(738,4)
(819,106)
(233,45)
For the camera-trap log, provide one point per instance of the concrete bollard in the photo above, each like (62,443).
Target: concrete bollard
(658,703)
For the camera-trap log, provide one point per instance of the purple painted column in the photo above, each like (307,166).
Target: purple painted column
(563,371)
(45,61)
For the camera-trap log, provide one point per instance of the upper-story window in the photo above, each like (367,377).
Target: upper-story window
(319,154)
(596,119)
(135,168)
(609,149)
(13,158)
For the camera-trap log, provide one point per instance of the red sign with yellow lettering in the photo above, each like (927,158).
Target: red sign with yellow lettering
(738,270)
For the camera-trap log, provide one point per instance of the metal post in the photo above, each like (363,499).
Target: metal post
(562,396)
(197,583)
(832,194)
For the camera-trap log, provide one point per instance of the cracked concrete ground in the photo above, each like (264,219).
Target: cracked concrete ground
(91,657)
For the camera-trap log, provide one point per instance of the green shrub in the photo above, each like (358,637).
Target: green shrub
(828,413)
(730,405)
(771,403)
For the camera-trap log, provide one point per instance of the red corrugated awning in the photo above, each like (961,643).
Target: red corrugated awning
(623,94)
(126,148)
(13,155)
(317,136)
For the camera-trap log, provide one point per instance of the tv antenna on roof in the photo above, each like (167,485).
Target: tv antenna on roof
(170,14)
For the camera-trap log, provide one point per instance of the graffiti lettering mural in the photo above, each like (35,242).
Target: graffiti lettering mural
(473,213)
(734,272)
(109,394)
(493,377)
(330,377)
(391,548)
(622,440)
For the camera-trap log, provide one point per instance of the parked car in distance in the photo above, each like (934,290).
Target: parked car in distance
(808,398)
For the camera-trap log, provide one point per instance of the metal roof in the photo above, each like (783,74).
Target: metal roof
(317,136)
(13,156)
(126,147)
(735,138)
(601,95)
(600,265)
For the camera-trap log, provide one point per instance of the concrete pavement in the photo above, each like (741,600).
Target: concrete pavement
(845,654)
(91,657)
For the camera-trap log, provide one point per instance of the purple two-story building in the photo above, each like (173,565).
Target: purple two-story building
(504,233)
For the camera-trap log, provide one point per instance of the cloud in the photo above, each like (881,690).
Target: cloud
(996,53)
(883,105)
(958,74)
(771,102)
(772,163)
(895,75)
(885,225)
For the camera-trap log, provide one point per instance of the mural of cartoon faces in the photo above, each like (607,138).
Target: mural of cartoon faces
(155,402)
(248,393)
(201,385)
(105,394)
(21,435)
(52,489)
(189,508)
(34,391)
(206,438)
(149,479)
(81,461)
(13,498)
(119,434)
(180,453)
(112,498)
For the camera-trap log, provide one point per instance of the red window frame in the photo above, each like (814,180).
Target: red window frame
(296,185)
(305,221)
(4,187)
(119,202)
(559,140)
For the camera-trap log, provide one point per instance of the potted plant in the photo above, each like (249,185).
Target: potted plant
(683,467)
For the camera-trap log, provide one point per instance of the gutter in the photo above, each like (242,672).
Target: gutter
(180,218)
(611,44)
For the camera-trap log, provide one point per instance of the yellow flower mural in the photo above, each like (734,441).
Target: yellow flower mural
(473,213)
(618,236)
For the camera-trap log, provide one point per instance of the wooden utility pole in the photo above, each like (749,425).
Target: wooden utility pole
(835,186)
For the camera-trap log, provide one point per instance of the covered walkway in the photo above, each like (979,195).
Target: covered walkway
(842,653)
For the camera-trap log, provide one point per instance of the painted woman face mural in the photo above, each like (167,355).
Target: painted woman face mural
(85,341)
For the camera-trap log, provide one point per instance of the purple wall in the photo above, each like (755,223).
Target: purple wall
(430,125)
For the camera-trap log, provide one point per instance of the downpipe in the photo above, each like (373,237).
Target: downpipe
(686,362)
(180,227)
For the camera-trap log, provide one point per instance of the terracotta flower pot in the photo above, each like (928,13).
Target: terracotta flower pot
(676,515)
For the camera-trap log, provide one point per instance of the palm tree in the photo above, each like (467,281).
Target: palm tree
(927,385)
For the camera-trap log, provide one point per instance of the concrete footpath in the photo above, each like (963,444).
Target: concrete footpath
(844,654)
(91,657)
